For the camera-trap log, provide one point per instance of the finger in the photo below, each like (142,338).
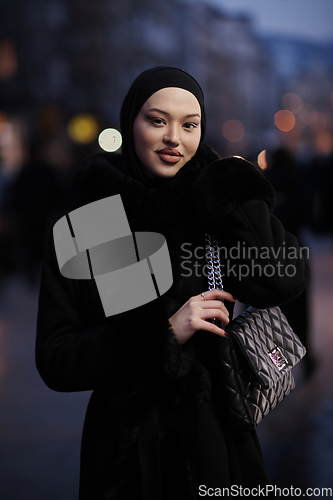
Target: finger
(210,327)
(218,294)
(217,313)
(214,304)
(220,333)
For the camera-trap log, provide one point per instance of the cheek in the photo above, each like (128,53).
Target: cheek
(145,137)
(194,143)
(140,143)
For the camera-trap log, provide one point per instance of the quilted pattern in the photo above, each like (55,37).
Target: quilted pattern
(254,384)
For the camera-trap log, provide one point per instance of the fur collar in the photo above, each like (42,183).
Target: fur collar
(101,175)
(207,184)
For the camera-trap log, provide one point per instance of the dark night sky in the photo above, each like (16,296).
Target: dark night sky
(306,19)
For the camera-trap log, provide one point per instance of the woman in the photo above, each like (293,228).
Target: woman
(156,424)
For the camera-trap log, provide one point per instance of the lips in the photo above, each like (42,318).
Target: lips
(170,155)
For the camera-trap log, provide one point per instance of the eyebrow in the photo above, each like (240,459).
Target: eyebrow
(168,114)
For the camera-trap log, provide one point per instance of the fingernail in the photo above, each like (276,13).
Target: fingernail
(234,297)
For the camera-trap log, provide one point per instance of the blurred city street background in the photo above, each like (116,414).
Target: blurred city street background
(266,69)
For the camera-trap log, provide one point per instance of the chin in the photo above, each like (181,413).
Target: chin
(165,172)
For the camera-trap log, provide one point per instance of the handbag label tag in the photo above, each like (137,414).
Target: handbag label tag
(278,358)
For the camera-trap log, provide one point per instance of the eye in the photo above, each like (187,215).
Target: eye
(157,121)
(189,125)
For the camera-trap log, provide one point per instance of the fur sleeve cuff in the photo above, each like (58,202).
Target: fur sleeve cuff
(147,342)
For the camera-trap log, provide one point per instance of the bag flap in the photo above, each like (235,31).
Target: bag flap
(268,343)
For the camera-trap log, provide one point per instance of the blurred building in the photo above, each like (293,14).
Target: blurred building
(82,56)
(72,56)
(237,76)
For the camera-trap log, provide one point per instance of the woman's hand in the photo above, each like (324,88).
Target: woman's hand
(192,315)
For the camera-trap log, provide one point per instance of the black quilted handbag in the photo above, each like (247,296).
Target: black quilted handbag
(255,359)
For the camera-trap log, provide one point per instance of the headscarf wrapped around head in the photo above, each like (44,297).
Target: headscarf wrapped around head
(145,85)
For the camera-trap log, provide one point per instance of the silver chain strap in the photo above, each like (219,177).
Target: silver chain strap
(213,263)
(213,269)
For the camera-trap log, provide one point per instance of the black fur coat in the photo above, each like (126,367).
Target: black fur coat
(132,358)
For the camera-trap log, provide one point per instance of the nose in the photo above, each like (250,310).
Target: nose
(172,136)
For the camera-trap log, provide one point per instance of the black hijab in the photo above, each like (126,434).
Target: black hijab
(145,85)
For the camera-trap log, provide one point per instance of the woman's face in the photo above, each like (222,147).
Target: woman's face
(167,131)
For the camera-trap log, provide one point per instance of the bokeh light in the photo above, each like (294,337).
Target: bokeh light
(284,120)
(249,144)
(309,114)
(293,103)
(8,59)
(50,119)
(270,140)
(2,120)
(110,139)
(324,143)
(262,160)
(83,128)
(233,130)
(233,149)
(13,145)
(320,124)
